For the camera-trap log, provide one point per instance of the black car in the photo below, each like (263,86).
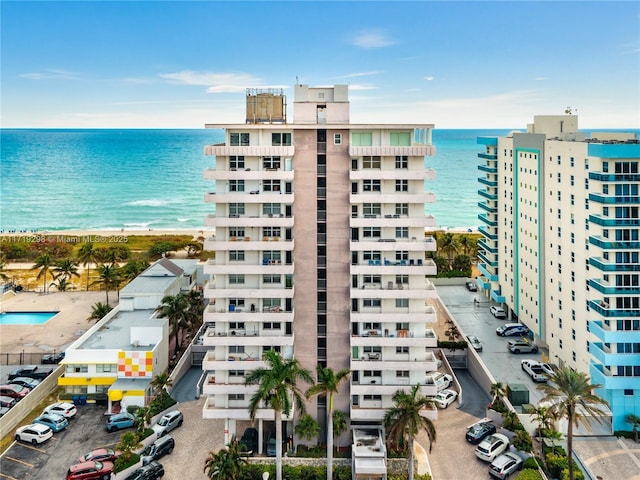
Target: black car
(249,442)
(52,358)
(471,286)
(151,471)
(478,431)
(30,371)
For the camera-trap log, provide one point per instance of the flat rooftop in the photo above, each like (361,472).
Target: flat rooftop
(115,334)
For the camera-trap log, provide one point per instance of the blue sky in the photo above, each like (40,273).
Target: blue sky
(163,64)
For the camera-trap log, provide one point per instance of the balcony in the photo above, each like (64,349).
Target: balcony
(605,356)
(487,233)
(249,174)
(492,222)
(228,337)
(211,290)
(219,220)
(250,197)
(249,150)
(388,150)
(392,197)
(398,338)
(220,407)
(614,177)
(614,222)
(609,335)
(223,314)
(424,361)
(490,276)
(487,195)
(614,245)
(427,315)
(614,199)
(488,156)
(488,182)
(393,220)
(390,244)
(608,266)
(603,376)
(605,310)
(488,208)
(607,289)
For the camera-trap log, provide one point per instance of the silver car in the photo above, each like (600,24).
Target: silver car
(168,422)
(505,465)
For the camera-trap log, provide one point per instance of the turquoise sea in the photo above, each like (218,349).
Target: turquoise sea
(54,179)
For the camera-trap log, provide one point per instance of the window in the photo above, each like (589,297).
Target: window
(371,232)
(236,397)
(106,368)
(402,349)
(402,161)
(402,303)
(236,279)
(402,185)
(371,186)
(238,302)
(369,279)
(236,162)
(236,185)
(271,163)
(272,325)
(272,256)
(402,232)
(371,302)
(400,139)
(236,232)
(77,368)
(361,139)
(236,255)
(271,209)
(237,325)
(371,255)
(239,139)
(271,231)
(371,162)
(402,326)
(236,209)
(281,139)
(271,185)
(236,373)
(337,139)
(402,209)
(402,279)
(372,398)
(374,209)
(236,348)
(271,279)
(402,255)
(372,373)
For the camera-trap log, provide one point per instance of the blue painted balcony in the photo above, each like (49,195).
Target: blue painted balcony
(609,381)
(614,222)
(606,356)
(488,221)
(488,182)
(608,335)
(487,195)
(607,289)
(483,244)
(492,277)
(496,296)
(607,311)
(614,199)
(487,168)
(613,245)
(491,262)
(605,266)
(488,156)
(614,177)
(614,150)
(486,207)
(491,235)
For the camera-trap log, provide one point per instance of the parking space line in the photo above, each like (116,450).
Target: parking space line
(19,461)
(31,447)
(4,475)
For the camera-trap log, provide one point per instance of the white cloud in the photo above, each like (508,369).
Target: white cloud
(372,39)
(540,79)
(429,78)
(361,74)
(51,75)
(216,82)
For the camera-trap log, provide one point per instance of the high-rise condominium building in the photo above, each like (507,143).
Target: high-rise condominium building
(561,247)
(319,253)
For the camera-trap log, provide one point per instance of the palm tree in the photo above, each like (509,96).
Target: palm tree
(176,309)
(226,464)
(99,311)
(403,421)
(339,423)
(634,420)
(133,268)
(571,397)
(87,254)
(327,385)
(128,443)
(278,390)
(44,262)
(497,392)
(61,284)
(142,419)
(544,419)
(108,276)
(307,427)
(65,269)
(196,310)
(161,382)
(3,260)
(449,246)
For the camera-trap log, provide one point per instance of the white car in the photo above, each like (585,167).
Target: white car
(505,465)
(445,398)
(498,312)
(491,447)
(67,410)
(548,369)
(534,370)
(34,433)
(474,342)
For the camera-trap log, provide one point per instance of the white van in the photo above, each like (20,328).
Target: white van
(440,380)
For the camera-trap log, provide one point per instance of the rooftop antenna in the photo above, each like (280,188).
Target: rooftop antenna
(567,110)
(297,82)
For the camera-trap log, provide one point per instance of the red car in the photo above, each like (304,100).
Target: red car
(14,391)
(100,455)
(90,471)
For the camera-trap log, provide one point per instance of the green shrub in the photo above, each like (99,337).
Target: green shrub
(532,463)
(120,464)
(624,434)
(556,464)
(528,475)
(577,473)
(461,345)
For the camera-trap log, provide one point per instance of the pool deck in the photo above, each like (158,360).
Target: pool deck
(56,334)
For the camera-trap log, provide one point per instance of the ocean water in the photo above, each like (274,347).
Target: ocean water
(140,179)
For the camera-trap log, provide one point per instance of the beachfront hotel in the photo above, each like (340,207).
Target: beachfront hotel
(319,254)
(561,247)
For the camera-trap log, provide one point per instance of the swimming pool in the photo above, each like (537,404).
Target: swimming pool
(26,318)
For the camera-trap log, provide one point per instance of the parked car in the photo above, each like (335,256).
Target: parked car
(54,421)
(31,371)
(534,370)
(4,411)
(471,286)
(475,343)
(249,441)
(479,430)
(52,358)
(30,383)
(90,471)
(505,465)
(547,368)
(66,409)
(445,398)
(491,447)
(512,329)
(168,422)
(522,345)
(120,421)
(7,402)
(100,455)
(151,471)
(497,312)
(161,447)
(14,391)
(271,446)
(440,380)
(35,433)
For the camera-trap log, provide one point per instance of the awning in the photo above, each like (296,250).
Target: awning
(115,395)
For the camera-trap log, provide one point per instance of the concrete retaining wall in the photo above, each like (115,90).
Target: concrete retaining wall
(394,465)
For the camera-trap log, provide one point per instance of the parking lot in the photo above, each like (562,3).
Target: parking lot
(51,459)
